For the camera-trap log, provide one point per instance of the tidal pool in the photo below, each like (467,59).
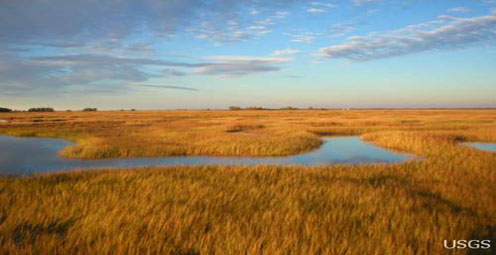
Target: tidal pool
(491,147)
(20,156)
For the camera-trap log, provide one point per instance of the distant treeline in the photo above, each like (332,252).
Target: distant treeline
(254,108)
(41,109)
(5,109)
(236,108)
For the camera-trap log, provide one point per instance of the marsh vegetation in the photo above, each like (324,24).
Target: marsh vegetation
(401,209)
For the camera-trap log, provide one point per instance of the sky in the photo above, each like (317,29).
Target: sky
(192,54)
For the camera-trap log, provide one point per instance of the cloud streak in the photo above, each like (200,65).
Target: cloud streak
(444,33)
(88,68)
(286,52)
(229,66)
(50,73)
(362,2)
(459,9)
(316,10)
(168,87)
(92,59)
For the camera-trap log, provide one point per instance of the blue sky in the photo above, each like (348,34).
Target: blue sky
(173,54)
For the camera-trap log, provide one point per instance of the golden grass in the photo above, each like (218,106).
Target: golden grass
(401,209)
(231,133)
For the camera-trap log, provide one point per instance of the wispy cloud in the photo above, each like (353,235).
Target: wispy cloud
(231,66)
(92,59)
(319,7)
(286,52)
(303,37)
(52,73)
(340,29)
(459,9)
(66,22)
(316,10)
(294,76)
(236,29)
(444,33)
(88,68)
(324,4)
(80,69)
(168,87)
(232,31)
(172,73)
(48,74)
(362,2)
(255,12)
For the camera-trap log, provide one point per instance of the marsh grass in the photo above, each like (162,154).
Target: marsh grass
(400,209)
(233,133)
(236,128)
(377,209)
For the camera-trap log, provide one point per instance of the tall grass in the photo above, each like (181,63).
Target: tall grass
(232,133)
(400,209)
(242,210)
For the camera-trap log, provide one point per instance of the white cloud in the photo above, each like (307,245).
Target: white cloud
(254,12)
(319,7)
(325,4)
(302,37)
(361,2)
(444,33)
(459,9)
(286,52)
(316,10)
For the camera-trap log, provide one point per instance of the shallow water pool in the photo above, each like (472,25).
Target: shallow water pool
(491,147)
(35,155)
